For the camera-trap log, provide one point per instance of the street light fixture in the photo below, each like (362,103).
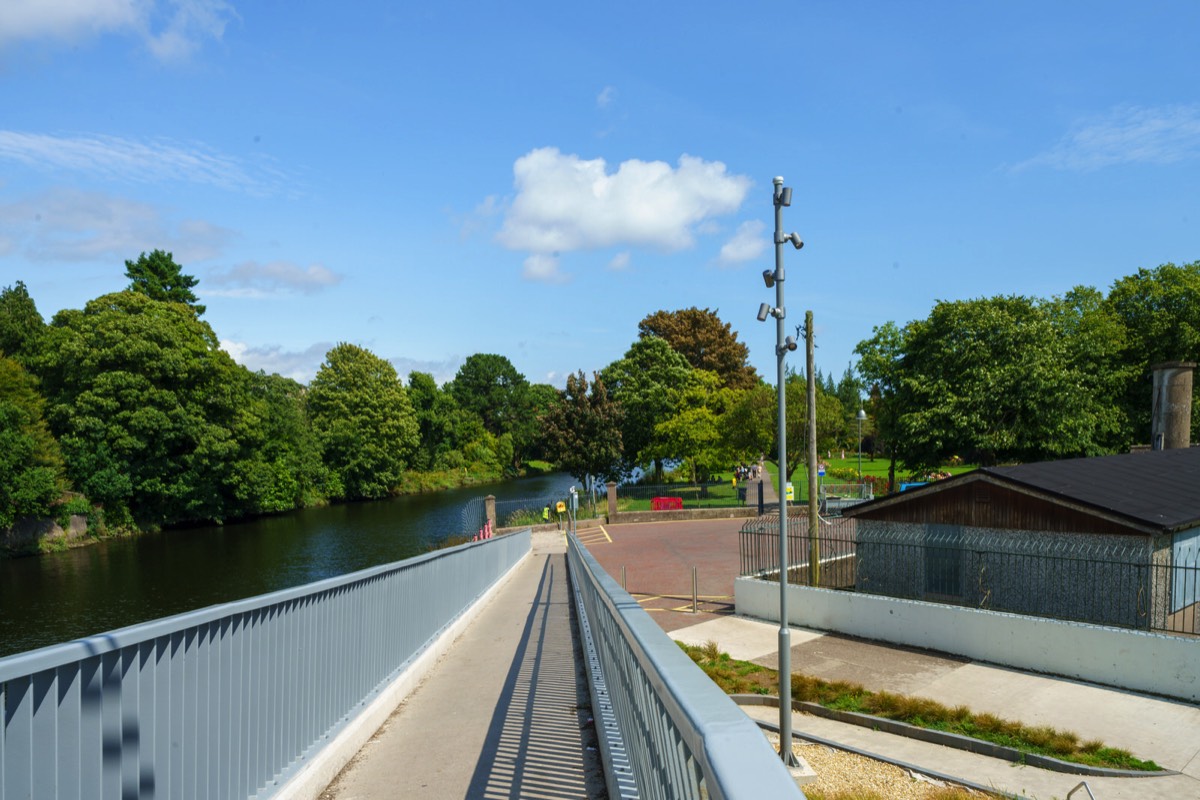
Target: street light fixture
(783,345)
(861,416)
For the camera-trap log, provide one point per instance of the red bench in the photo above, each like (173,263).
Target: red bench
(666,503)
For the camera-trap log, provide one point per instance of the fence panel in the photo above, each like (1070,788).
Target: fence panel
(1104,584)
(639,497)
(678,734)
(231,700)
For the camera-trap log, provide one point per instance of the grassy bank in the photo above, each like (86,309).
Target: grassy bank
(745,677)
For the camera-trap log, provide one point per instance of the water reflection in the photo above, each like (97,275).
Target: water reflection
(64,596)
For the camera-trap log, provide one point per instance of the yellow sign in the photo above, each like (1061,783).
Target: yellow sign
(561,507)
(791,493)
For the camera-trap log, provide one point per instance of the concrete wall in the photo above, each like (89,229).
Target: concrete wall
(1135,660)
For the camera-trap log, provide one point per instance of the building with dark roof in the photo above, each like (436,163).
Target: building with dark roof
(1113,540)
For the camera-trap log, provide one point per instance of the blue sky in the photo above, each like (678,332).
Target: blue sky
(532,179)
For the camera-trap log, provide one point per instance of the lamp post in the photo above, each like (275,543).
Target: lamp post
(783,345)
(861,416)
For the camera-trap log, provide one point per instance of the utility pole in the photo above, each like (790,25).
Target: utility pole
(814,517)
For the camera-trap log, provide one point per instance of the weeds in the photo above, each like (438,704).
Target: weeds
(744,677)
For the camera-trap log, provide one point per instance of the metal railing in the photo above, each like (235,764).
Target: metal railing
(1124,585)
(228,701)
(666,730)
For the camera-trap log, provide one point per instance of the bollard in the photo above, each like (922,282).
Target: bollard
(695,593)
(624,585)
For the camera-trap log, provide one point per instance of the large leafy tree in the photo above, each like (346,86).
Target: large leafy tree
(279,465)
(363,420)
(1160,311)
(992,379)
(143,401)
(435,414)
(490,387)
(642,382)
(693,432)
(583,432)
(705,341)
(157,276)
(21,326)
(30,462)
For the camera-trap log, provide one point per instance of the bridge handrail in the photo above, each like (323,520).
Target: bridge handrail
(229,700)
(682,736)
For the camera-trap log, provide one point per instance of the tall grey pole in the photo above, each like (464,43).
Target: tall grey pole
(785,635)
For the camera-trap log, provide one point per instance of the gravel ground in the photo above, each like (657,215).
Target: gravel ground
(839,771)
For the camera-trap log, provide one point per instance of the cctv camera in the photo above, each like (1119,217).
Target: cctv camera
(768,278)
(785,197)
(764,311)
(790,342)
(797,242)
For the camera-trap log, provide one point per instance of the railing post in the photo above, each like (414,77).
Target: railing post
(489,509)
(612,501)
(760,497)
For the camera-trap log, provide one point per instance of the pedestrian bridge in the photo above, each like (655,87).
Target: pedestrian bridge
(271,697)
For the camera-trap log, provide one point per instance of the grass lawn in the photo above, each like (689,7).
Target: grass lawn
(877,467)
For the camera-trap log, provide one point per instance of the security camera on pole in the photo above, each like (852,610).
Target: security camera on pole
(783,345)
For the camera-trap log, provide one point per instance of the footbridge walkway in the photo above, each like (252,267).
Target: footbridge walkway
(499,668)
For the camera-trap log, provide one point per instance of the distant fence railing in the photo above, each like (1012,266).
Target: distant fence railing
(228,701)
(666,730)
(641,497)
(1106,584)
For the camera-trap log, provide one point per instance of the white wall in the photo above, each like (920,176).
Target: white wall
(1128,659)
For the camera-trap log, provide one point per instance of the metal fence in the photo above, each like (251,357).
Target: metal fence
(666,730)
(231,700)
(1122,585)
(639,497)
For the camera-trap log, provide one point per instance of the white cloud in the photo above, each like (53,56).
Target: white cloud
(1126,135)
(74,225)
(300,365)
(565,203)
(543,267)
(747,244)
(442,371)
(170,29)
(606,96)
(620,261)
(128,159)
(251,279)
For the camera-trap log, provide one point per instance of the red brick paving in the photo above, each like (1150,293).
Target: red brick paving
(658,558)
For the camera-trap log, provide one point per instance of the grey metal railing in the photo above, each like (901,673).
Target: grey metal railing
(666,730)
(228,701)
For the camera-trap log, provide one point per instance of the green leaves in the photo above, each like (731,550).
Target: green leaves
(363,420)
(583,431)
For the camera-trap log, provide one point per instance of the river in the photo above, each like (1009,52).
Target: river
(58,597)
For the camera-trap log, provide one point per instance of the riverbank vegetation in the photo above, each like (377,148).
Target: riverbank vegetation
(130,409)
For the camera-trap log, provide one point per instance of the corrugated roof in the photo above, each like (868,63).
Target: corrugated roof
(1160,488)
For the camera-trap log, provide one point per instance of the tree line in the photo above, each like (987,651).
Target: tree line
(129,411)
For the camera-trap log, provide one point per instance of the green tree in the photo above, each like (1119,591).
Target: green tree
(21,326)
(642,383)
(992,379)
(583,432)
(705,341)
(143,401)
(748,427)
(363,420)
(880,364)
(434,411)
(158,277)
(278,467)
(30,461)
(693,431)
(489,386)
(1160,311)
